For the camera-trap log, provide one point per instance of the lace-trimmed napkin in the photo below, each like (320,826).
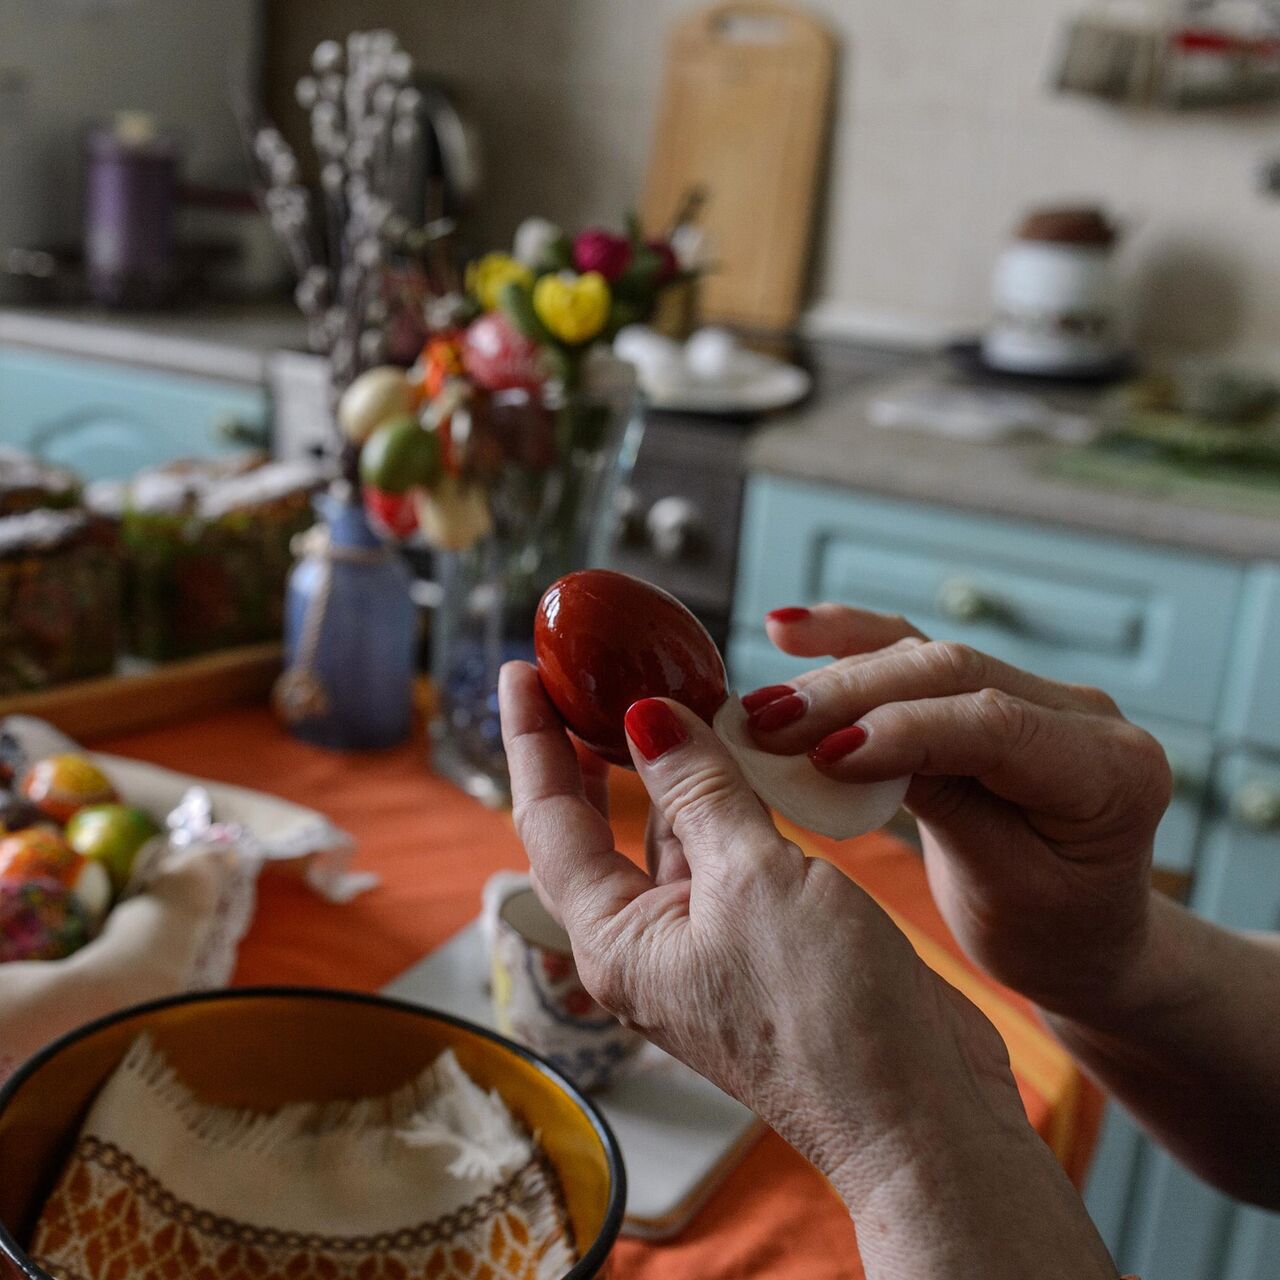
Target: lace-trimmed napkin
(436,1180)
(190,899)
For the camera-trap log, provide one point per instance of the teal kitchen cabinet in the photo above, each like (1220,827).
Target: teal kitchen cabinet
(107,421)
(1145,625)
(1189,645)
(1149,626)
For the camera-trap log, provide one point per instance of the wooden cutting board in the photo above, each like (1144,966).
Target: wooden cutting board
(744,114)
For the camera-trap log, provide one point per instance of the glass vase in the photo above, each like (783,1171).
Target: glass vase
(551,510)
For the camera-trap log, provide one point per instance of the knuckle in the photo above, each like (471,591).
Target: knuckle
(906,645)
(1002,714)
(698,796)
(1095,699)
(959,663)
(1148,766)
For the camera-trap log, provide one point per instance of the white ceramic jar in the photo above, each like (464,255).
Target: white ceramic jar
(1056,296)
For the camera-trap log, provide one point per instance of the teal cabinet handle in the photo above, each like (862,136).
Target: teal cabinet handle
(962,600)
(1257,805)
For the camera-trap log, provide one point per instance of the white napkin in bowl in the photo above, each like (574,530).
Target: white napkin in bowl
(436,1179)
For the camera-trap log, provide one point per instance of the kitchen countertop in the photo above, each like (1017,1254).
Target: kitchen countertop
(233,343)
(828,440)
(832,442)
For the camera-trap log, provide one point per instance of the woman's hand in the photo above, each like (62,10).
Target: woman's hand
(780,980)
(1037,801)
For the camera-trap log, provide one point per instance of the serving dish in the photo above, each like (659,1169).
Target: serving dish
(263,1048)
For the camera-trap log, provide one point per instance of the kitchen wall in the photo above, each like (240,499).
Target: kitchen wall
(81,60)
(944,132)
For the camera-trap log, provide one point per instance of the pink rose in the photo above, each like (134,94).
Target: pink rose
(596,249)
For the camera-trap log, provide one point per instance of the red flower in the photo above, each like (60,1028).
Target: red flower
(596,249)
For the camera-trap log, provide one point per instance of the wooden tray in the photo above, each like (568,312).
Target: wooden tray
(117,704)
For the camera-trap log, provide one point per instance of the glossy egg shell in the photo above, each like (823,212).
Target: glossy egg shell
(59,785)
(604,640)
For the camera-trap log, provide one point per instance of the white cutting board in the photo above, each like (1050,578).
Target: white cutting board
(679,1134)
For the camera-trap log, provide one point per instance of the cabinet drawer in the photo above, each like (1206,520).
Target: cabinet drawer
(1239,879)
(754,662)
(1252,705)
(107,421)
(1149,626)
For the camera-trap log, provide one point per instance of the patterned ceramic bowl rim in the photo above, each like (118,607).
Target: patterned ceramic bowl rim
(591,1262)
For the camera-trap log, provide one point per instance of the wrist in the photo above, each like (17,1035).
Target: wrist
(969,1196)
(1154,980)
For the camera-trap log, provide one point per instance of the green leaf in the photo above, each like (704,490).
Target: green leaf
(638,284)
(558,257)
(516,302)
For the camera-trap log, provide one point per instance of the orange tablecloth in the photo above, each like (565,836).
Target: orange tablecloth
(434,847)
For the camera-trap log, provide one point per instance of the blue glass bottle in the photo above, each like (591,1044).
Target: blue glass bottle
(350,634)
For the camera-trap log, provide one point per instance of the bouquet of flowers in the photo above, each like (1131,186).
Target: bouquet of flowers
(512,388)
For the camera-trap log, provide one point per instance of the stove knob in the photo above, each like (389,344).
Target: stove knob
(675,528)
(628,510)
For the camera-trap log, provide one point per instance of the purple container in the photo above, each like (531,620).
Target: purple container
(130,194)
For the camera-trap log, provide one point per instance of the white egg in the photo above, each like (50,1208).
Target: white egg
(792,786)
(658,361)
(709,355)
(372,399)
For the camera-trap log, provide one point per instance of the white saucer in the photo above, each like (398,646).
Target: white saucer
(771,385)
(679,1134)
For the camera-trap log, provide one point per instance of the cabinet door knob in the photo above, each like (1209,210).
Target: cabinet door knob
(962,600)
(1257,805)
(675,529)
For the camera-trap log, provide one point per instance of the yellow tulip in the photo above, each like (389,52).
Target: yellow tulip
(574,308)
(487,276)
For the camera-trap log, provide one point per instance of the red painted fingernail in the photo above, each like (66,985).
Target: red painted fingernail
(792,613)
(774,715)
(653,727)
(835,746)
(758,698)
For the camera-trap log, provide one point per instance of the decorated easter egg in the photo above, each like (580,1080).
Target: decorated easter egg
(111,835)
(500,358)
(454,515)
(40,853)
(400,454)
(604,640)
(372,399)
(40,919)
(392,514)
(59,785)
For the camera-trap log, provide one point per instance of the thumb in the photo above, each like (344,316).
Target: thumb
(695,784)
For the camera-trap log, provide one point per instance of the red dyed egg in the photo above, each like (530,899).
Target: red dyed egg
(604,640)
